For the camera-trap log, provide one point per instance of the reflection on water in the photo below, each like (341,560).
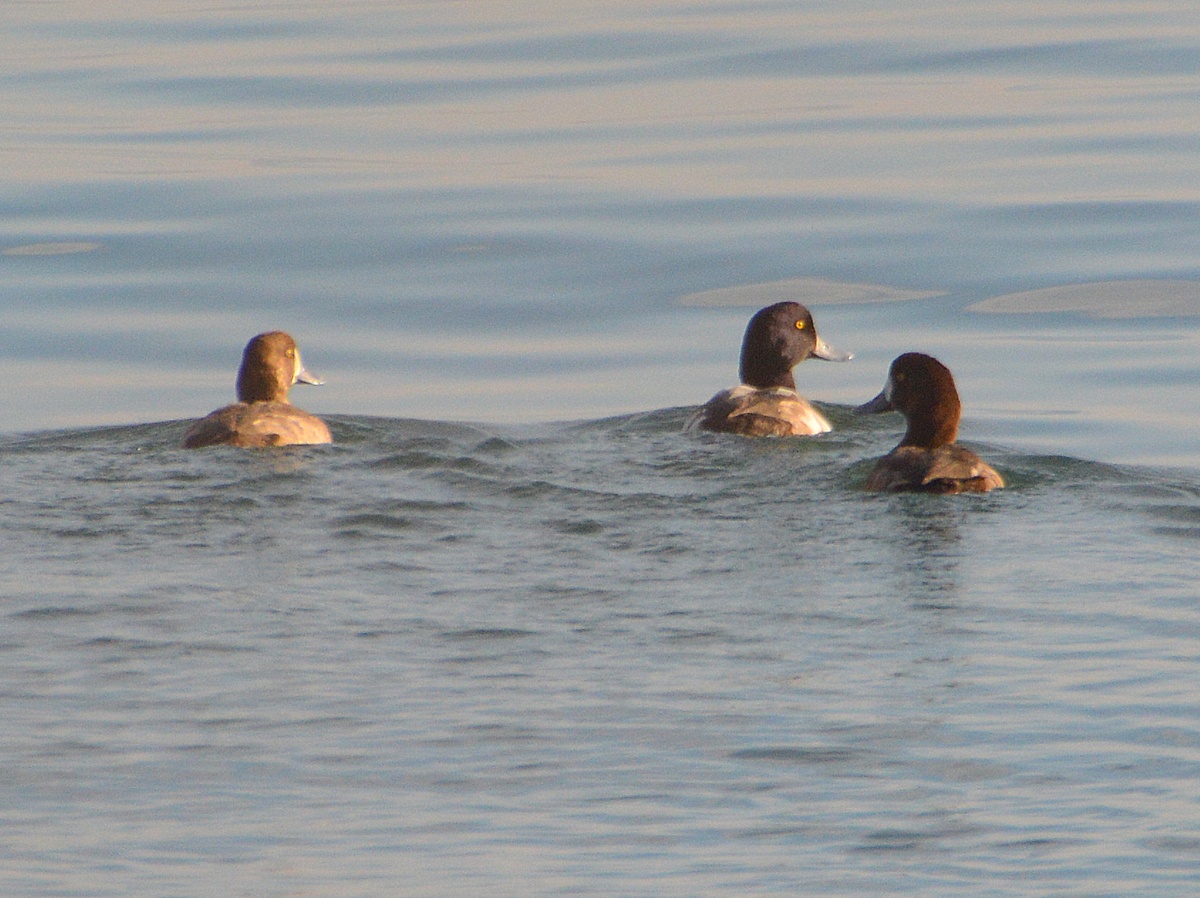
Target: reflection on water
(925,546)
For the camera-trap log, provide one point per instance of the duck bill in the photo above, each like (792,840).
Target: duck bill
(824,351)
(880,403)
(303,377)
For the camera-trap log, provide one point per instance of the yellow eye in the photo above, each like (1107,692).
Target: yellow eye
(800,325)
(289,353)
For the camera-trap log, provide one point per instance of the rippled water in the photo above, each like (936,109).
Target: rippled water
(603,658)
(514,633)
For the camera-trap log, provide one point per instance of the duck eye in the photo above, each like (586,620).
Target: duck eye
(800,325)
(289,353)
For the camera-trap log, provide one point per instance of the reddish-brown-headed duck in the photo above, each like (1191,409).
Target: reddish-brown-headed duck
(262,416)
(927,459)
(766,403)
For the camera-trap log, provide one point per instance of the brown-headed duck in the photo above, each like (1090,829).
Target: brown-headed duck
(262,416)
(766,403)
(927,459)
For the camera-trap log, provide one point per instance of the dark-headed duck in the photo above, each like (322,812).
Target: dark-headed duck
(766,403)
(927,459)
(262,416)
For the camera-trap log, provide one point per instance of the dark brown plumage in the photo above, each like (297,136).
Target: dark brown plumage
(928,459)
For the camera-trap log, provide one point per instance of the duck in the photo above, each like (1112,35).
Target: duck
(263,416)
(766,403)
(928,459)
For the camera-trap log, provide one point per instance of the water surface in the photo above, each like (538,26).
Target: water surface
(514,633)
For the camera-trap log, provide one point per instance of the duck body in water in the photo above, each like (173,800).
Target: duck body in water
(263,416)
(766,403)
(928,459)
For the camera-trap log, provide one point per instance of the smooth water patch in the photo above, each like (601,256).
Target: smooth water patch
(441,199)
(1110,299)
(50,249)
(804,290)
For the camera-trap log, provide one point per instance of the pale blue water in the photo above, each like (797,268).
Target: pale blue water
(515,633)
